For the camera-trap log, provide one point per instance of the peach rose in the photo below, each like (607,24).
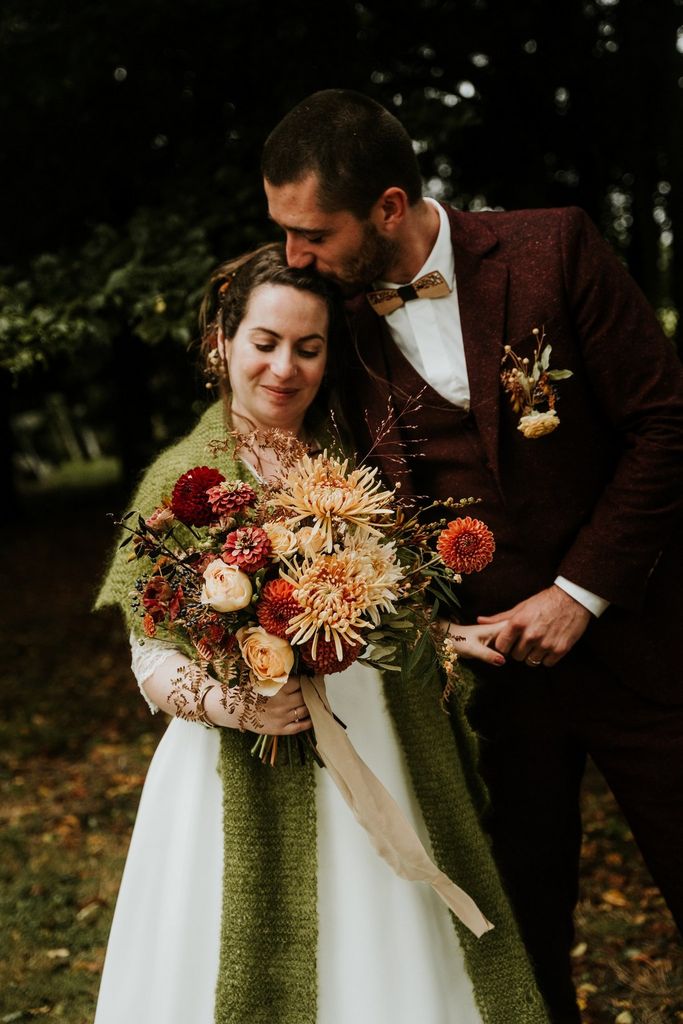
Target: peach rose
(161,519)
(282,540)
(310,543)
(226,588)
(537,424)
(270,658)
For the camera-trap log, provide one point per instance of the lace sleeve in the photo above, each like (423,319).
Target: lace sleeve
(145,660)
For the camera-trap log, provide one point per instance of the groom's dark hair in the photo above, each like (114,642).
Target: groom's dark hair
(356,148)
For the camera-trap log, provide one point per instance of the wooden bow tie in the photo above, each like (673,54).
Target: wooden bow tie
(431,286)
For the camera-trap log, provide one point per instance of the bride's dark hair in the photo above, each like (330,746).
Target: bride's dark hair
(225,303)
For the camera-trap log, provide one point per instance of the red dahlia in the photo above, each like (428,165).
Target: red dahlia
(466,545)
(277,607)
(248,548)
(326,660)
(215,641)
(230,497)
(189,501)
(156,598)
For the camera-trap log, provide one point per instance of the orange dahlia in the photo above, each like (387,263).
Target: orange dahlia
(326,661)
(466,545)
(149,626)
(277,607)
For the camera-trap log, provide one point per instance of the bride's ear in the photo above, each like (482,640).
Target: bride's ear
(222,345)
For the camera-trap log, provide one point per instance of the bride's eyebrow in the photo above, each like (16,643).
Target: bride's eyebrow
(278,337)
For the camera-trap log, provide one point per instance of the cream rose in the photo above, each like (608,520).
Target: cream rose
(282,540)
(310,543)
(270,658)
(537,424)
(226,588)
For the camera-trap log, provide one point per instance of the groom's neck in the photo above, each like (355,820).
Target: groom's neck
(418,237)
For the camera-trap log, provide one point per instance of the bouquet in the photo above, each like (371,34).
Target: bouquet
(305,575)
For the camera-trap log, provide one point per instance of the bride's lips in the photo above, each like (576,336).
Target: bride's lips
(280,393)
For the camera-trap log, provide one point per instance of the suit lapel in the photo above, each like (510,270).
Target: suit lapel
(482,297)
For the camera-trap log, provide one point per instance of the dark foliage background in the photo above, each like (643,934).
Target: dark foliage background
(132,141)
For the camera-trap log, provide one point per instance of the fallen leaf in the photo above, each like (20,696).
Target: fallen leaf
(88,910)
(58,954)
(614,898)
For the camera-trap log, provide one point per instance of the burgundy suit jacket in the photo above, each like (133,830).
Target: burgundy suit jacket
(599,500)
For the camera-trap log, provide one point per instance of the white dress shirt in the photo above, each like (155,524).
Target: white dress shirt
(429,334)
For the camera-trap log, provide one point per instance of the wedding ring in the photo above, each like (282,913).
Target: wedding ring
(532,663)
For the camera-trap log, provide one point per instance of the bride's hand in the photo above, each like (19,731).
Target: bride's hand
(475,641)
(285,714)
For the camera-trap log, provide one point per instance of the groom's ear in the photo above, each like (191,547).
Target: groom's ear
(390,209)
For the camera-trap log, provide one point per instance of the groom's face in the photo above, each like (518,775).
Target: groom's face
(351,252)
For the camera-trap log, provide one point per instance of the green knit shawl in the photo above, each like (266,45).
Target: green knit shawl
(269,925)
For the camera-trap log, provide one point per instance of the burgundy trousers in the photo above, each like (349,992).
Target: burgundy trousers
(536,727)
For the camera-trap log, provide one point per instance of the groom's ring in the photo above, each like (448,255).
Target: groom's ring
(533,663)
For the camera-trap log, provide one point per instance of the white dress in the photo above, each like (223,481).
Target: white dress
(388,952)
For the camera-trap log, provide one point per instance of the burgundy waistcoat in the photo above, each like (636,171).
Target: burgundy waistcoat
(446,459)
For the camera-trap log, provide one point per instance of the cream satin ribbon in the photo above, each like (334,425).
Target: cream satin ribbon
(390,832)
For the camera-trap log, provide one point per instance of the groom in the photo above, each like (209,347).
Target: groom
(585,501)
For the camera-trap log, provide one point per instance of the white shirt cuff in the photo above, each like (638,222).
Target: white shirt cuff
(595,605)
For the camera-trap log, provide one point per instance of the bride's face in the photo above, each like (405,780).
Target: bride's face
(276,359)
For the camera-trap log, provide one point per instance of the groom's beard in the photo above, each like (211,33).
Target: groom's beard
(370,263)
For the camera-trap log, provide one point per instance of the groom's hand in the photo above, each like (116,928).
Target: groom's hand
(542,629)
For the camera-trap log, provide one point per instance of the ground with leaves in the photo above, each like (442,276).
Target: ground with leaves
(75,741)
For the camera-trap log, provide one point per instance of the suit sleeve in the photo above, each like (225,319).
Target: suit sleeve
(637,380)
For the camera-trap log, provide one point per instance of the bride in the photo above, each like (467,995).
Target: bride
(251,894)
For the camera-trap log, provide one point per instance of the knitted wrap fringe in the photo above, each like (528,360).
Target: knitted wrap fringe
(267,972)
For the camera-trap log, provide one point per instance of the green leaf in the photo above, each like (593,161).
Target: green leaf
(545,356)
(377,653)
(560,374)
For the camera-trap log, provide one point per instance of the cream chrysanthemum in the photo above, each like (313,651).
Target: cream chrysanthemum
(333,593)
(324,489)
(381,568)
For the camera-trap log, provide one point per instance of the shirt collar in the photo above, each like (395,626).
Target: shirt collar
(441,256)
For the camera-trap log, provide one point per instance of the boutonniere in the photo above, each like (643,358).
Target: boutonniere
(530,387)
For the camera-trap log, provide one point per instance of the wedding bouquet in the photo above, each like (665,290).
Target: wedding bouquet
(308,574)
